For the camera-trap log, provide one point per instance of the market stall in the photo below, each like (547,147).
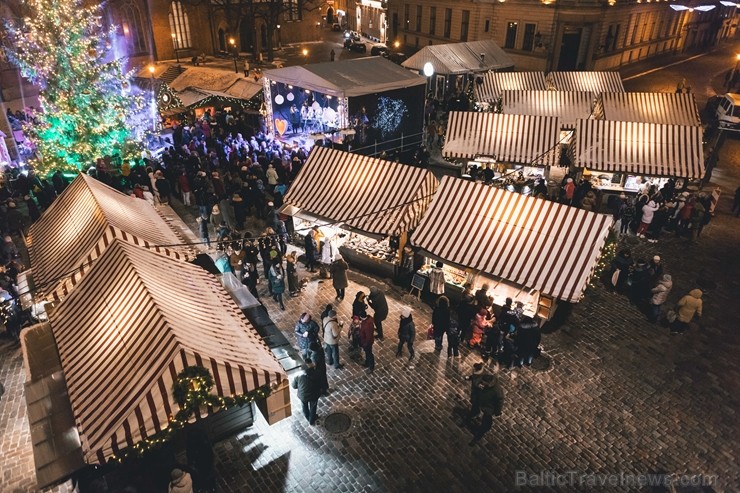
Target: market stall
(531,250)
(489,90)
(622,156)
(81,223)
(519,146)
(566,105)
(366,103)
(457,64)
(364,206)
(135,321)
(649,107)
(594,82)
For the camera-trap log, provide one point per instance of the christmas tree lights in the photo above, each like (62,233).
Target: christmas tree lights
(63,48)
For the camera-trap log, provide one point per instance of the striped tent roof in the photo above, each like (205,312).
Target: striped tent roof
(593,82)
(494,83)
(368,194)
(650,107)
(133,323)
(568,105)
(520,139)
(534,243)
(80,224)
(639,148)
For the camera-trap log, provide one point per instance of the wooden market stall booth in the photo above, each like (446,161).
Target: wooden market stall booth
(566,105)
(594,82)
(364,206)
(517,147)
(667,108)
(531,250)
(488,91)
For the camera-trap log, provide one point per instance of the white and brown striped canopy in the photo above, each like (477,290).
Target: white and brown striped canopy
(494,83)
(518,139)
(82,222)
(368,194)
(650,107)
(134,321)
(535,243)
(593,82)
(639,148)
(567,105)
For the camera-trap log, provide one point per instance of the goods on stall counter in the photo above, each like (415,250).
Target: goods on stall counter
(452,275)
(372,248)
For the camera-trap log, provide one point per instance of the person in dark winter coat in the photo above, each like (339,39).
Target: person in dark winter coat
(453,340)
(367,338)
(475,380)
(527,340)
(406,332)
(380,306)
(440,320)
(290,267)
(466,311)
(316,354)
(276,275)
(338,270)
(306,331)
(359,307)
(622,262)
(311,247)
(491,400)
(250,277)
(308,385)
(641,280)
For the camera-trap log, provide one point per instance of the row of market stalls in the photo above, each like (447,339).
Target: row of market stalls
(120,317)
(531,250)
(493,84)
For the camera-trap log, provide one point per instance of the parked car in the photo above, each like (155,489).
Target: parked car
(358,47)
(728,112)
(352,35)
(378,49)
(336,27)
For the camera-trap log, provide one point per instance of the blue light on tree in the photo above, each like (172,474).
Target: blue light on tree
(389,116)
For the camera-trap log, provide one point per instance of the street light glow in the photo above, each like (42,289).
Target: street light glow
(232,41)
(428,69)
(305,52)
(151,69)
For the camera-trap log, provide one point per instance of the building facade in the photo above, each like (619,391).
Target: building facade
(565,34)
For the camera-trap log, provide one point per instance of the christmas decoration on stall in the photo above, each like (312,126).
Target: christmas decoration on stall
(192,392)
(390,115)
(63,48)
(167,98)
(603,265)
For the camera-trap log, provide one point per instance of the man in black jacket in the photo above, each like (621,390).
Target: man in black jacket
(309,391)
(491,399)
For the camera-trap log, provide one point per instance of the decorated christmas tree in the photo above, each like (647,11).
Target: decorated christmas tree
(86,100)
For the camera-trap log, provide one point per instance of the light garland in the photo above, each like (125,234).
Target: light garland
(63,48)
(191,391)
(608,253)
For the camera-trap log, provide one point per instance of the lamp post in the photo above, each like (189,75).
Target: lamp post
(279,40)
(428,70)
(177,52)
(232,43)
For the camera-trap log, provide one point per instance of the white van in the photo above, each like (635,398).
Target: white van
(728,112)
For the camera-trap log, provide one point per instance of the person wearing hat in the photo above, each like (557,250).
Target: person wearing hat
(180,482)
(491,402)
(656,267)
(406,332)
(309,390)
(306,331)
(332,334)
(271,175)
(660,295)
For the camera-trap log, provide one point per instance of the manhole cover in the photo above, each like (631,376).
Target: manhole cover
(542,363)
(337,423)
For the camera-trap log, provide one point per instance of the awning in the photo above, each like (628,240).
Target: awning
(568,105)
(494,83)
(536,243)
(460,58)
(217,81)
(347,78)
(82,222)
(519,139)
(593,82)
(368,194)
(639,148)
(133,323)
(649,107)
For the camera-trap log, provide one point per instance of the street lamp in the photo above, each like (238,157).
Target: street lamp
(151,70)
(428,70)
(305,54)
(232,42)
(174,42)
(397,44)
(280,41)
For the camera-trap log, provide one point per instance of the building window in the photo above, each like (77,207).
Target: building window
(418,18)
(616,37)
(133,27)
(464,25)
(511,28)
(448,22)
(406,17)
(487,26)
(432,19)
(293,9)
(179,25)
(528,42)
(635,27)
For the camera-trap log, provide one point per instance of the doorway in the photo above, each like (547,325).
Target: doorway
(221,40)
(246,36)
(330,16)
(569,48)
